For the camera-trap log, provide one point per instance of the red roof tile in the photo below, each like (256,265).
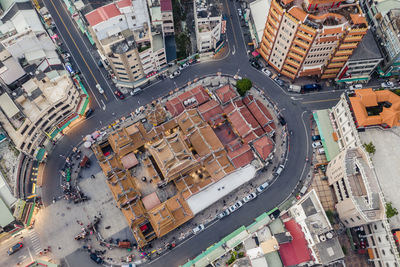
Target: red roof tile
(295,252)
(241,156)
(263,146)
(166,5)
(124,3)
(175,106)
(102,14)
(259,111)
(211,111)
(226,93)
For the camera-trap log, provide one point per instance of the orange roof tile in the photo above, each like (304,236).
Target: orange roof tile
(263,146)
(298,13)
(102,14)
(226,93)
(358,19)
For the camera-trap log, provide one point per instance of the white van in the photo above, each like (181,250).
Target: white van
(279,170)
(321,151)
(198,229)
(136,91)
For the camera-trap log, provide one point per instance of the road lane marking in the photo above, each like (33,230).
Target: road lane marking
(88,49)
(70,35)
(230,18)
(320,101)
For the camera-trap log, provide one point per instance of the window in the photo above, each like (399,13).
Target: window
(351,219)
(383,252)
(358,217)
(347,222)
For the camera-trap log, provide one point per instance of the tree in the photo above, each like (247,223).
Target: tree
(370,148)
(243,86)
(390,211)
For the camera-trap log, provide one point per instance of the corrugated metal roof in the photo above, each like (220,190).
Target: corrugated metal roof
(6,217)
(8,106)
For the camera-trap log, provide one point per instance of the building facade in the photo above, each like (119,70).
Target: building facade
(384,18)
(362,63)
(207,20)
(30,113)
(311,38)
(124,35)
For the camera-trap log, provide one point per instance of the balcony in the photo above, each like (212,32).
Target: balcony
(339,59)
(275,14)
(358,31)
(353,38)
(347,52)
(301,43)
(336,65)
(348,46)
(295,56)
(290,68)
(304,36)
(292,62)
(328,76)
(298,50)
(331,71)
(273,22)
(268,36)
(288,74)
(272,30)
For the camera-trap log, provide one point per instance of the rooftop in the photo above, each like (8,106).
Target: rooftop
(366,49)
(207,8)
(102,14)
(385,163)
(375,107)
(166,5)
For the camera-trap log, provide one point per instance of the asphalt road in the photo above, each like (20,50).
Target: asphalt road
(295,108)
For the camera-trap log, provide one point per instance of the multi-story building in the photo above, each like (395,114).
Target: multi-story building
(384,18)
(30,113)
(352,177)
(207,21)
(161,14)
(311,38)
(124,35)
(361,64)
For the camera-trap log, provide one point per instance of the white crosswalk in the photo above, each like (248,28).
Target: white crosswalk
(37,248)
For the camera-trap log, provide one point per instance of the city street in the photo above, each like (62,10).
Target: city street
(294,107)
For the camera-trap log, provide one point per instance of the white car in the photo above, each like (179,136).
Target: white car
(249,197)
(262,187)
(317,144)
(387,84)
(101,91)
(266,72)
(175,74)
(356,86)
(184,66)
(235,206)
(223,214)
(198,229)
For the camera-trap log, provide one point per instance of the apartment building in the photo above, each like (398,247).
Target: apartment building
(311,38)
(362,63)
(161,14)
(384,18)
(30,113)
(207,20)
(124,35)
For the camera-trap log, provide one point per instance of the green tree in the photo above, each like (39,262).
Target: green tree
(370,148)
(390,211)
(243,86)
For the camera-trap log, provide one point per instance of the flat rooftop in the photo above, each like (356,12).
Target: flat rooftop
(386,165)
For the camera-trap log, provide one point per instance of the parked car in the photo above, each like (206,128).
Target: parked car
(316,137)
(294,88)
(279,170)
(198,229)
(235,206)
(262,187)
(255,64)
(311,87)
(14,248)
(70,68)
(321,150)
(144,120)
(317,144)
(184,66)
(136,91)
(356,86)
(239,12)
(282,120)
(101,91)
(95,258)
(266,72)
(279,81)
(223,214)
(249,197)
(89,112)
(387,84)
(119,94)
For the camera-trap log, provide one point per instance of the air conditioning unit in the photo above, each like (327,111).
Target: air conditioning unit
(322,238)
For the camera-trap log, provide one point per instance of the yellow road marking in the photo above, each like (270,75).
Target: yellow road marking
(319,101)
(229,14)
(80,53)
